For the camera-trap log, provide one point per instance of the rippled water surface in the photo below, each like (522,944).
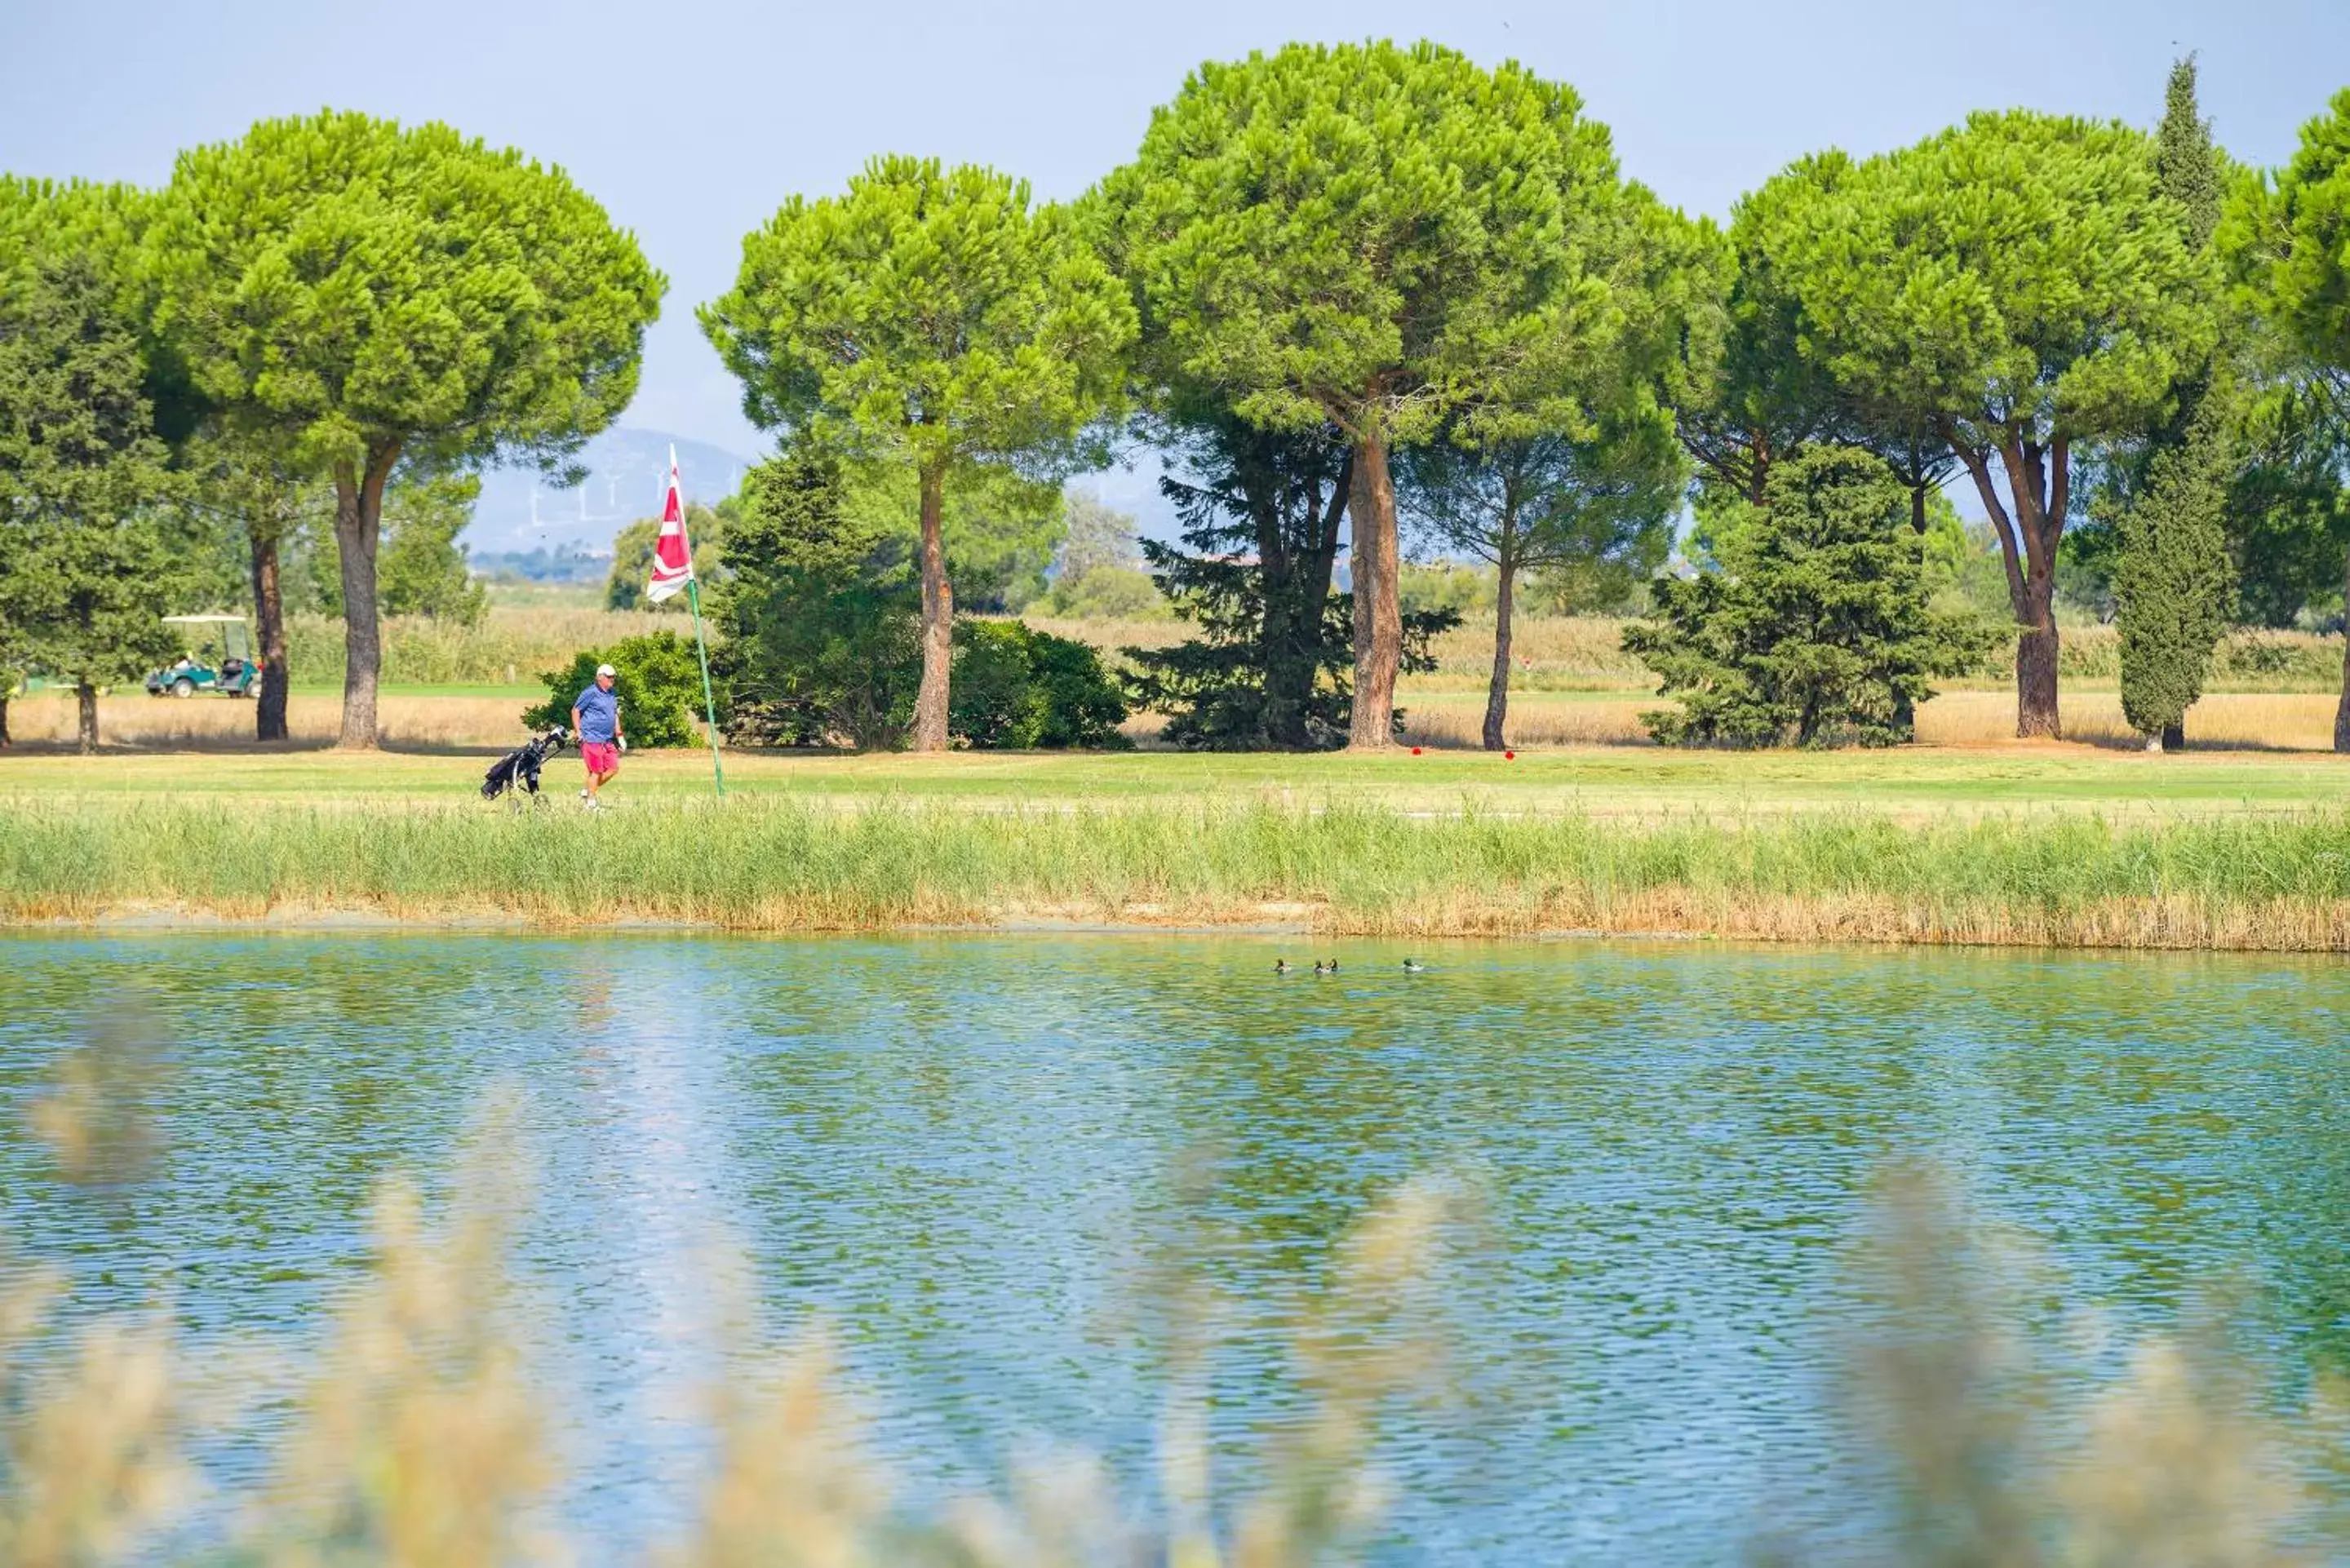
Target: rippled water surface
(965,1152)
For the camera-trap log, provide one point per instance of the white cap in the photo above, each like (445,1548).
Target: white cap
(606,669)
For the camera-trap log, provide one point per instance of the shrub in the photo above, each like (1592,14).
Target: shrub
(1015,688)
(1107,593)
(658,678)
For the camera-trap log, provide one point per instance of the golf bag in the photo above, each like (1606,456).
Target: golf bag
(517,770)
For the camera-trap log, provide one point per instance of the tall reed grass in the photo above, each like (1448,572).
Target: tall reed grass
(2270,882)
(512,644)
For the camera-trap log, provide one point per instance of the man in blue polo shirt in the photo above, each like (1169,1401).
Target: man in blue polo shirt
(596,719)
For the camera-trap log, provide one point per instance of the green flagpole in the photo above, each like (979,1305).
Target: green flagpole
(709,702)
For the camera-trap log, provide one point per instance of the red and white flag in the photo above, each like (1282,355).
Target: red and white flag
(672,556)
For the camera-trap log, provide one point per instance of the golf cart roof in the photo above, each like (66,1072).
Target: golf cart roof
(201,619)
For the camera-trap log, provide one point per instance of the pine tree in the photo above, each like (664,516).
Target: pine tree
(1817,630)
(92,552)
(2175,581)
(1261,513)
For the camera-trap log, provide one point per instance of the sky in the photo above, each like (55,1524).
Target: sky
(693,120)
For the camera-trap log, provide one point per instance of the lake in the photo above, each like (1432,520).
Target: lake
(972,1154)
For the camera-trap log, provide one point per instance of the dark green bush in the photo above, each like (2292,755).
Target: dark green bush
(1018,688)
(658,678)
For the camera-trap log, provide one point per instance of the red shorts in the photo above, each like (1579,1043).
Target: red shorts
(601,756)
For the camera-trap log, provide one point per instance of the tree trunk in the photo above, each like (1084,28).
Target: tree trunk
(938,619)
(4,717)
(1296,590)
(2035,679)
(1497,697)
(269,608)
(1378,616)
(2174,736)
(2341,709)
(88,694)
(358,523)
(1283,720)
(2039,482)
(1905,710)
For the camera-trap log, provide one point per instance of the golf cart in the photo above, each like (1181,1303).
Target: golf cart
(223,661)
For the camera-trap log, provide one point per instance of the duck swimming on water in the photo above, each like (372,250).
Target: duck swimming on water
(1321,968)
(1413,966)
(1281,966)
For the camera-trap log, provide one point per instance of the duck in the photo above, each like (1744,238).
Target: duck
(1281,966)
(1413,966)
(1321,968)
(1333,966)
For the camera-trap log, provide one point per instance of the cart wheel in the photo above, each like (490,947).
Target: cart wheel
(184,687)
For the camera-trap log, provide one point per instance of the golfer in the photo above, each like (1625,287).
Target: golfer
(596,719)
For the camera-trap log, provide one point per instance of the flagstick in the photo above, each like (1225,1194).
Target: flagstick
(709,702)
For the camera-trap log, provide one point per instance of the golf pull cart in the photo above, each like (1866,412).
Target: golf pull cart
(223,661)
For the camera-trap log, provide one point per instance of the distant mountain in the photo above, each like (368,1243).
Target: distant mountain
(628,471)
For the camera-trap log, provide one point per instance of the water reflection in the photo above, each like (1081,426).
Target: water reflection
(964,1152)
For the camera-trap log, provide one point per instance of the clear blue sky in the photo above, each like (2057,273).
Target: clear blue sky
(691,119)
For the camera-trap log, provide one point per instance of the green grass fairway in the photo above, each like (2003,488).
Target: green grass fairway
(1617,782)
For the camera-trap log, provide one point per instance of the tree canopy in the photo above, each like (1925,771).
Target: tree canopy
(373,291)
(1375,238)
(2290,240)
(935,318)
(91,552)
(2021,286)
(2288,243)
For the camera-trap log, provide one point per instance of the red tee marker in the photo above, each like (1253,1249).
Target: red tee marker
(1509,756)
(1415,750)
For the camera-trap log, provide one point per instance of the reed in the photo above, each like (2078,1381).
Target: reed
(510,646)
(2276,882)
(420,1438)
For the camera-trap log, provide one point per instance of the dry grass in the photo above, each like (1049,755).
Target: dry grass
(2278,721)
(1452,720)
(510,646)
(219,724)
(2289,721)
(1457,722)
(1547,653)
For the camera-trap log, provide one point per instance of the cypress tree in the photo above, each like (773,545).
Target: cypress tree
(2175,580)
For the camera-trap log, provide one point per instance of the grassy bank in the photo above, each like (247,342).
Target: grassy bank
(2274,882)
(1623,783)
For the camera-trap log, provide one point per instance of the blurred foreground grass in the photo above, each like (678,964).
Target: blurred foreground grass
(421,1430)
(2277,882)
